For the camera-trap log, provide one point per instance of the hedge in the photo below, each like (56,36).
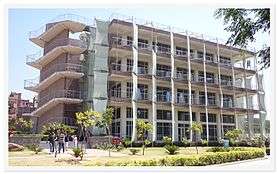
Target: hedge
(208,158)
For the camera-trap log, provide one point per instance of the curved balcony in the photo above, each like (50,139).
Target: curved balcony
(73,23)
(53,74)
(57,97)
(54,49)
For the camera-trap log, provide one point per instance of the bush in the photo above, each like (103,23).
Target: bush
(126,142)
(35,148)
(171,149)
(134,151)
(78,152)
(167,140)
(197,160)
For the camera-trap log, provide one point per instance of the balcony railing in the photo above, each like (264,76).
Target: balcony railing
(143,71)
(163,73)
(117,68)
(181,54)
(181,76)
(61,67)
(31,83)
(65,17)
(64,42)
(143,95)
(70,94)
(163,96)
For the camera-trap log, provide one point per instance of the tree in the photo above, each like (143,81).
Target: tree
(142,129)
(53,128)
(196,129)
(244,24)
(85,120)
(233,135)
(20,125)
(106,122)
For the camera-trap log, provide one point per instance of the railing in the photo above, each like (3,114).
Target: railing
(145,46)
(34,57)
(163,73)
(59,68)
(226,82)
(64,42)
(163,96)
(181,76)
(143,95)
(181,53)
(117,94)
(65,17)
(60,94)
(31,83)
(120,68)
(143,71)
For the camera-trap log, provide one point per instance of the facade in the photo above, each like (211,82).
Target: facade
(162,75)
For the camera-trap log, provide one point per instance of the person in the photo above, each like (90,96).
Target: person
(56,143)
(51,140)
(66,140)
(75,141)
(61,142)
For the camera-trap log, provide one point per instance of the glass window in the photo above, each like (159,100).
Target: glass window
(129,113)
(163,129)
(228,119)
(129,129)
(164,115)
(129,65)
(142,113)
(116,129)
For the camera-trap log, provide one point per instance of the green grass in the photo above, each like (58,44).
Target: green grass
(28,158)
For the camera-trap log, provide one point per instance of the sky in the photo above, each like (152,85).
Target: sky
(22,21)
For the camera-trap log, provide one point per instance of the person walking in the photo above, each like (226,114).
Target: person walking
(75,141)
(51,140)
(61,142)
(66,140)
(56,144)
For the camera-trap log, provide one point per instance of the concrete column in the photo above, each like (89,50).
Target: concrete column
(189,83)
(219,126)
(135,78)
(205,86)
(123,122)
(154,93)
(197,117)
(174,121)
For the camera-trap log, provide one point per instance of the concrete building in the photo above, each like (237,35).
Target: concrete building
(167,76)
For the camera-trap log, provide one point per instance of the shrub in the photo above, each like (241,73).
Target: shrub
(167,140)
(171,149)
(204,142)
(185,142)
(126,142)
(222,149)
(134,151)
(197,160)
(35,148)
(78,152)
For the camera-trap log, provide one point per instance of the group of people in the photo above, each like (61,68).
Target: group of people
(60,141)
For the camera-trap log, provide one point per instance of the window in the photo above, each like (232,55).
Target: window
(228,118)
(163,71)
(163,94)
(200,54)
(129,129)
(209,57)
(142,67)
(116,129)
(129,65)
(182,96)
(225,61)
(115,90)
(129,113)
(183,116)
(212,132)
(201,77)
(180,51)
(226,80)
(209,77)
(203,117)
(163,129)
(142,43)
(211,99)
(227,101)
(142,92)
(182,73)
(116,112)
(129,90)
(129,41)
(164,115)
(212,118)
(163,48)
(142,113)
(183,131)
(202,98)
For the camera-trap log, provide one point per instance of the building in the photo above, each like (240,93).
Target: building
(19,107)
(145,71)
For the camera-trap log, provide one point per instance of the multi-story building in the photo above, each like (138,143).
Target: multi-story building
(162,75)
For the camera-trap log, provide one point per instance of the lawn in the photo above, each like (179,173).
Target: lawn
(28,158)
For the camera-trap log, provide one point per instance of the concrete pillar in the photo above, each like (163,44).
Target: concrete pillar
(189,82)
(123,122)
(219,126)
(154,89)
(135,78)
